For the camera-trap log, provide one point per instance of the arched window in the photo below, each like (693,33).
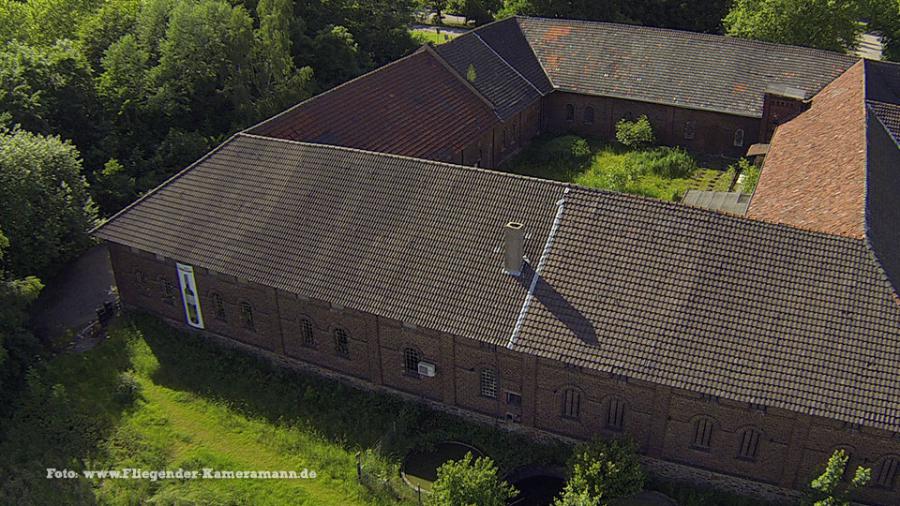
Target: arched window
(749,444)
(571,403)
(615,414)
(218,306)
(588,115)
(306,333)
(739,137)
(140,277)
(411,359)
(703,429)
(341,343)
(247,316)
(887,472)
(570,112)
(488,383)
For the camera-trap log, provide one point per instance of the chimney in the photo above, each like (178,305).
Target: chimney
(514,248)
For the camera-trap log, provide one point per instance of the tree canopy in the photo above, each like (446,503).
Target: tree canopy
(45,207)
(822,24)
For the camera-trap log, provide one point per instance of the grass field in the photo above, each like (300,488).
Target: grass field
(423,36)
(153,398)
(613,167)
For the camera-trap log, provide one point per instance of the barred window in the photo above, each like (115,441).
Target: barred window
(306,333)
(341,343)
(570,112)
(749,444)
(588,115)
(887,473)
(703,429)
(739,137)
(247,316)
(411,359)
(571,403)
(488,383)
(218,306)
(615,414)
(690,129)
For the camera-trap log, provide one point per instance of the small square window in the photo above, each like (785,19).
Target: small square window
(488,383)
(514,399)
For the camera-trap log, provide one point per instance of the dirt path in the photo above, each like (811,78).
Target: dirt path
(70,300)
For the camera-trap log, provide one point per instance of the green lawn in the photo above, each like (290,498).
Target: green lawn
(423,36)
(153,398)
(613,167)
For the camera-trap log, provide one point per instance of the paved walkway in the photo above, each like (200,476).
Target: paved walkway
(71,299)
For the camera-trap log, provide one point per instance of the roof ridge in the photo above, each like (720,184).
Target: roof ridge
(531,48)
(536,275)
(710,36)
(495,53)
(429,49)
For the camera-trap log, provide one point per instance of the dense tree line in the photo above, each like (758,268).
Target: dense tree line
(101,100)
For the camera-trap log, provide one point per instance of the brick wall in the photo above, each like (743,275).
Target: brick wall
(789,450)
(505,140)
(698,131)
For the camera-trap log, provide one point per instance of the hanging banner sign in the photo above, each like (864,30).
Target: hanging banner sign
(190,296)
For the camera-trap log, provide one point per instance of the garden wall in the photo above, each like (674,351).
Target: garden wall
(531,393)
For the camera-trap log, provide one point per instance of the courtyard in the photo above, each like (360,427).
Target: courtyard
(659,172)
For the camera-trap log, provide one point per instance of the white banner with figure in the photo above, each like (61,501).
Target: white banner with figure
(190,296)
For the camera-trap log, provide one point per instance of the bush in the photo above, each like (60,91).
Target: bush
(601,471)
(670,163)
(568,148)
(750,173)
(635,134)
(465,482)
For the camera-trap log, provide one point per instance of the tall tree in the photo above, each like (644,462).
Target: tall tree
(822,24)
(278,82)
(49,90)
(45,208)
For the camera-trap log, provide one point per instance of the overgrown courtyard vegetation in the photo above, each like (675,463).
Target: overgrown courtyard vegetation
(660,172)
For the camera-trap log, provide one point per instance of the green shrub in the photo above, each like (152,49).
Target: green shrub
(670,162)
(635,134)
(600,471)
(468,481)
(750,173)
(568,148)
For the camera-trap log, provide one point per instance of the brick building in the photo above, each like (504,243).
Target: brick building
(749,349)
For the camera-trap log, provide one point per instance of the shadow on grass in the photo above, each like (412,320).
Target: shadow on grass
(71,404)
(353,418)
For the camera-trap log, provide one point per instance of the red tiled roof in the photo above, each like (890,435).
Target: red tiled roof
(415,106)
(814,176)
